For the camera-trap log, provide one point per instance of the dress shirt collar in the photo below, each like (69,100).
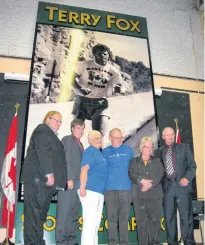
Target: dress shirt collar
(170,146)
(113,147)
(76,139)
(148,161)
(56,133)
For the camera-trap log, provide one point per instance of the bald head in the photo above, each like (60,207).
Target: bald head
(95,139)
(167,129)
(114,130)
(116,137)
(168,135)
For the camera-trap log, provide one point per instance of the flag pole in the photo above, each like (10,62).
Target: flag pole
(7,227)
(7,241)
(17,105)
(177,127)
(178,216)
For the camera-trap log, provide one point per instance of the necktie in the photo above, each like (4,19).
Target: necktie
(169,165)
(81,146)
(79,142)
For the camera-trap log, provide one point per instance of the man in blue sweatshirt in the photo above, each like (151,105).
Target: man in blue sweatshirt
(118,187)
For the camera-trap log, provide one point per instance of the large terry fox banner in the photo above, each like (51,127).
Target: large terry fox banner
(93,65)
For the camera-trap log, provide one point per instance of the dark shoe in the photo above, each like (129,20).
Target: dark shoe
(5,242)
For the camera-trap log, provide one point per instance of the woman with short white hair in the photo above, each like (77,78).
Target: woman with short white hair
(93,178)
(146,173)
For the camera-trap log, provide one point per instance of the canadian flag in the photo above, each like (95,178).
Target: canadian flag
(8,178)
(178,136)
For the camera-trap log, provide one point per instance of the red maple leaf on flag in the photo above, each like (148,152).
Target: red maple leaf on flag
(8,178)
(12,174)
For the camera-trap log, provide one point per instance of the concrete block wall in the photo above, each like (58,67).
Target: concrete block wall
(174,30)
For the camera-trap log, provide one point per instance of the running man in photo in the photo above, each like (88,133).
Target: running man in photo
(94,80)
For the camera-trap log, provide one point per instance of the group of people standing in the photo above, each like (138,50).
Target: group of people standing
(112,175)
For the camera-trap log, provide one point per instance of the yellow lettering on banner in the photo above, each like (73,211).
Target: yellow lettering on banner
(133,223)
(110,21)
(135,26)
(129,228)
(22,220)
(106,224)
(62,16)
(123,28)
(80,221)
(53,225)
(95,19)
(101,228)
(123,24)
(73,16)
(85,18)
(51,11)
(162,225)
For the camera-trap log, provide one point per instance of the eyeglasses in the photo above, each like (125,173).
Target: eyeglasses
(148,147)
(97,138)
(58,121)
(116,138)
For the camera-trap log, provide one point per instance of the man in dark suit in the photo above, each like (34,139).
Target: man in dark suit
(180,169)
(68,202)
(43,172)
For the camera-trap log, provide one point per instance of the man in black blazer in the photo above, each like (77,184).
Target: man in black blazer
(68,201)
(180,169)
(44,171)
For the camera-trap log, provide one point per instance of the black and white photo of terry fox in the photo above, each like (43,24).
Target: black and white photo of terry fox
(94,79)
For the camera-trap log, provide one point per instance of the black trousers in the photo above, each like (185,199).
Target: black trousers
(37,199)
(148,213)
(67,217)
(177,196)
(118,208)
